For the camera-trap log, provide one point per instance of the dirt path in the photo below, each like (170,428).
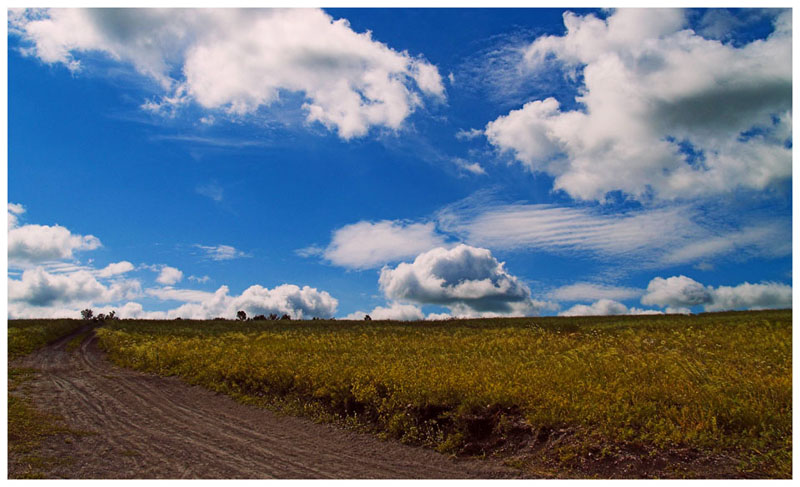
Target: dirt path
(153,427)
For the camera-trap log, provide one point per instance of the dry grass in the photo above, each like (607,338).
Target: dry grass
(714,382)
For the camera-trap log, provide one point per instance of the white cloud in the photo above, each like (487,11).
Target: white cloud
(297,302)
(18,311)
(39,288)
(239,60)
(679,293)
(211,190)
(169,293)
(169,275)
(221,252)
(115,268)
(676,291)
(472,167)
(666,235)
(438,316)
(654,92)
(395,311)
(640,311)
(670,310)
(607,307)
(31,244)
(470,134)
(14,211)
(602,307)
(365,245)
(133,310)
(62,289)
(587,291)
(751,296)
(554,228)
(466,279)
(201,280)
(766,238)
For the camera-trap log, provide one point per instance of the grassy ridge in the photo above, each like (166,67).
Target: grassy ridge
(25,336)
(713,381)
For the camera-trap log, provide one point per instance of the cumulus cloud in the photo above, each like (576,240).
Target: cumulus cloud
(395,311)
(751,296)
(602,307)
(297,302)
(221,252)
(680,293)
(39,288)
(438,316)
(606,307)
(115,268)
(466,279)
(676,291)
(664,113)
(61,289)
(239,60)
(365,245)
(169,275)
(14,211)
(134,310)
(31,244)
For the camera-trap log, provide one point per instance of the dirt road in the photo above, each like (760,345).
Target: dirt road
(154,427)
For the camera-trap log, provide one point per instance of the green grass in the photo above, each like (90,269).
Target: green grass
(714,382)
(25,336)
(75,342)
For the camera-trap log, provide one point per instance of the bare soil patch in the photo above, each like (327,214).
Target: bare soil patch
(147,426)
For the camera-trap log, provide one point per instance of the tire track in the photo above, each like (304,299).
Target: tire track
(147,426)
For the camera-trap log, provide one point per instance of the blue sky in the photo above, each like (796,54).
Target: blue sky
(409,164)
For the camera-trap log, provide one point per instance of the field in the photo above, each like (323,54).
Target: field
(695,396)
(25,336)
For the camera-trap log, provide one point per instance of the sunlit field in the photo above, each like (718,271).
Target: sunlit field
(714,383)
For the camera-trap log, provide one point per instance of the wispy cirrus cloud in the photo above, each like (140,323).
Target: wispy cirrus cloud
(211,190)
(652,236)
(587,291)
(226,142)
(221,252)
